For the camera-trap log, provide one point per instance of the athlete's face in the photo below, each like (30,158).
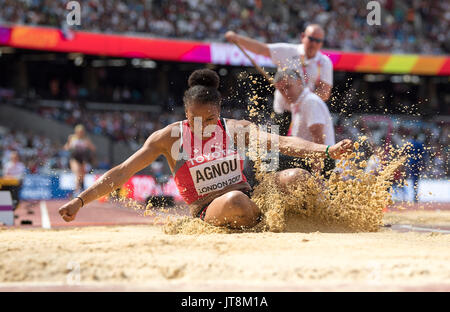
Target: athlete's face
(202,114)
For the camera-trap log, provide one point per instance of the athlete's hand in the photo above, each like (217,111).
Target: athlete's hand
(230,36)
(341,150)
(70,210)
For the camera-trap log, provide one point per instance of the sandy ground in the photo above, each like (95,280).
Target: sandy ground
(142,257)
(422,217)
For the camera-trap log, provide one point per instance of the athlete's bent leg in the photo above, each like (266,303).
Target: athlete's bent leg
(289,179)
(233,209)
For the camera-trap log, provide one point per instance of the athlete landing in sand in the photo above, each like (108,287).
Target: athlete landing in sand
(207,167)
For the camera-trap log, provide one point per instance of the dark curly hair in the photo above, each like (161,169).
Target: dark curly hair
(203,88)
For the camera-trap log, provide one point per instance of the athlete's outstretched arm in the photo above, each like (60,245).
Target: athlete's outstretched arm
(117,176)
(289,145)
(298,147)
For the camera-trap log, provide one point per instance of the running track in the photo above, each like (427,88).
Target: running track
(45,214)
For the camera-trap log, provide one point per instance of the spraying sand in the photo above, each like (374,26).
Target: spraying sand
(351,200)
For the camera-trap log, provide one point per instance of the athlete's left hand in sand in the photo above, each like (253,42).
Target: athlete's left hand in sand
(341,150)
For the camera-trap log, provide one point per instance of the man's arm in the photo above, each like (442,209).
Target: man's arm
(325,81)
(323,90)
(248,43)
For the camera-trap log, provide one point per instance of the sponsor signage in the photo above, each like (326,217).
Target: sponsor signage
(54,39)
(46,187)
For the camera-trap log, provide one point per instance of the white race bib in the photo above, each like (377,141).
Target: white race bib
(217,174)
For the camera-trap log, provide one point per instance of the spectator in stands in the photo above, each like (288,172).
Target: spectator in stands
(14,170)
(416,163)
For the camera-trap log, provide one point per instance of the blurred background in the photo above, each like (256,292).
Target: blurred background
(122,73)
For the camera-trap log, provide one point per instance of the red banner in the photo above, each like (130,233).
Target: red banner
(52,39)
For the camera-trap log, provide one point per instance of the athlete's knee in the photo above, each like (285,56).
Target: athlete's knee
(235,198)
(293,175)
(240,204)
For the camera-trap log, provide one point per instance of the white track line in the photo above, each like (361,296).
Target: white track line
(422,229)
(44,216)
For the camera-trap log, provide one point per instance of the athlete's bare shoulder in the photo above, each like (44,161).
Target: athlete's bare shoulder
(238,123)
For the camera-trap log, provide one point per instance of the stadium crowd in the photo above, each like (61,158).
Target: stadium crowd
(417,26)
(385,131)
(37,152)
(132,127)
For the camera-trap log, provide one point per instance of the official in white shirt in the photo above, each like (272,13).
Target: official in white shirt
(311,119)
(305,57)
(317,67)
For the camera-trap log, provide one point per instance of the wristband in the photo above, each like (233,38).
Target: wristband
(326,152)
(82,201)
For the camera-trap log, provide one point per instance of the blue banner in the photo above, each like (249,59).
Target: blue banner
(42,187)
(36,187)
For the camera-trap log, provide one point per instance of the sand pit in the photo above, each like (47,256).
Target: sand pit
(143,257)
(422,217)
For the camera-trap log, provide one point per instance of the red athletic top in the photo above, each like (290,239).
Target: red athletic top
(201,171)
